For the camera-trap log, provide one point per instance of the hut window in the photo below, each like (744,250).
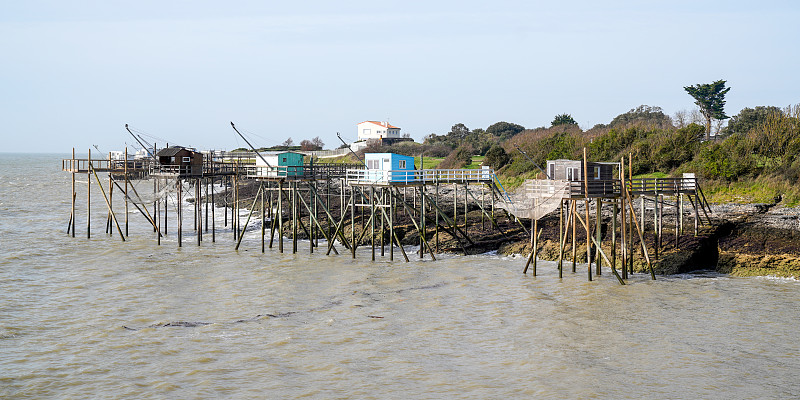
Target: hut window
(402,164)
(284,159)
(596,172)
(187,159)
(372,164)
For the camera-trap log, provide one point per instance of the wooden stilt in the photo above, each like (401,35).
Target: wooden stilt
(89,197)
(213,218)
(574,235)
(180,212)
(353,221)
(436,218)
(615,212)
(108,203)
(586,204)
(280,215)
(74,194)
(263,220)
(562,236)
(126,191)
(598,235)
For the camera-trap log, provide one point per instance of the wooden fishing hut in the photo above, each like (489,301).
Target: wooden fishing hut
(179,161)
(389,183)
(605,184)
(279,164)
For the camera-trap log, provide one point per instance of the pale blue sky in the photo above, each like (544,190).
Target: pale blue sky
(73,73)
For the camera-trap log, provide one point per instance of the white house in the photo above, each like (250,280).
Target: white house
(377,130)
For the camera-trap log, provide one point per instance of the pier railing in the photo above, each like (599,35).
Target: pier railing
(105,165)
(425,176)
(304,172)
(662,185)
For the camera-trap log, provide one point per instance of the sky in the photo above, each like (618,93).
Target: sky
(74,73)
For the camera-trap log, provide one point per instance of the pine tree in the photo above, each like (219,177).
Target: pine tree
(710,97)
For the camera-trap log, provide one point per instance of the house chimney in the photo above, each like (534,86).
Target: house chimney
(385,123)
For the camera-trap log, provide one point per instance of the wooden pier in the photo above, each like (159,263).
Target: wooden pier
(340,207)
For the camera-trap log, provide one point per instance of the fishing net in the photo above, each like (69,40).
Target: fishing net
(149,196)
(535,198)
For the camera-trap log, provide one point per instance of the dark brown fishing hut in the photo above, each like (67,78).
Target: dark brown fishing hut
(180,161)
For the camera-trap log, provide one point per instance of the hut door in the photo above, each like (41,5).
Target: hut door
(573,174)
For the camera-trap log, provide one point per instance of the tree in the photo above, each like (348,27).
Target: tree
(504,130)
(496,157)
(457,159)
(563,119)
(750,118)
(643,115)
(710,97)
(681,119)
(288,142)
(459,131)
(318,142)
(308,145)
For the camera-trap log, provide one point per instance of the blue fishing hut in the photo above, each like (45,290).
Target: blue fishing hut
(389,168)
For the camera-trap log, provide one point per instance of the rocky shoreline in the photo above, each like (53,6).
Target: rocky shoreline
(743,240)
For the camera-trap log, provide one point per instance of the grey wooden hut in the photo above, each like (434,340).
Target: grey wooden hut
(572,170)
(601,179)
(181,161)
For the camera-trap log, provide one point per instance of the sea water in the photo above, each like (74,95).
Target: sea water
(102,318)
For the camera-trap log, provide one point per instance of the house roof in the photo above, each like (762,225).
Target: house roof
(379,123)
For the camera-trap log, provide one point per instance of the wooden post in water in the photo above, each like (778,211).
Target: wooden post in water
(623,249)
(179,187)
(574,234)
(598,235)
(391,226)
(436,216)
(656,233)
(213,218)
(198,210)
(280,215)
(295,214)
(236,204)
(353,221)
(631,220)
(586,203)
(89,196)
(156,211)
(615,213)
(205,203)
(126,191)
(74,194)
(109,228)
(562,236)
(422,222)
(535,243)
(166,206)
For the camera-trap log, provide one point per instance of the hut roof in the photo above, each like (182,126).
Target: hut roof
(170,151)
